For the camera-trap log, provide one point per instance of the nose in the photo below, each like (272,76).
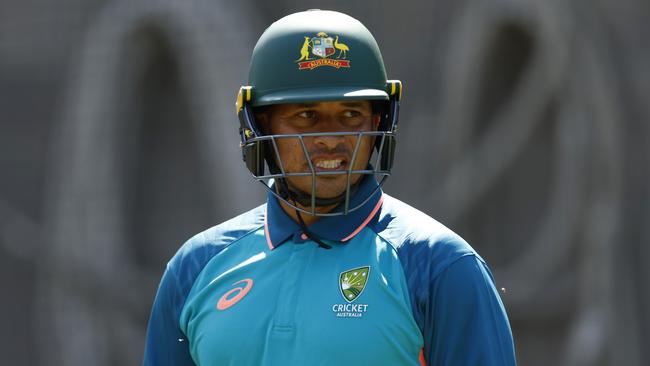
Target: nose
(329,142)
(330,124)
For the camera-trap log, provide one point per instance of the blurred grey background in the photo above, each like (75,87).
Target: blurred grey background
(524,128)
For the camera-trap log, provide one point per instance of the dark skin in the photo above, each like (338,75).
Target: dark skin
(328,153)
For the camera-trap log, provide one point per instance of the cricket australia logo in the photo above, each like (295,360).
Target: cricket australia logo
(351,285)
(323,46)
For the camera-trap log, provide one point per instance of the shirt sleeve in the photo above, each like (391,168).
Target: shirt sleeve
(166,344)
(465,320)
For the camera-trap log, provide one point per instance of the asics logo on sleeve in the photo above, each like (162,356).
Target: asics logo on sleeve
(233,296)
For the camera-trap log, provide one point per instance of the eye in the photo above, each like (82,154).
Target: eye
(308,114)
(350,113)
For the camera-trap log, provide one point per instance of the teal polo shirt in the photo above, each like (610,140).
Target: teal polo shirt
(395,288)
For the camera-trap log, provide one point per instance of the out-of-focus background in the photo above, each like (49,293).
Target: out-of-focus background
(524,128)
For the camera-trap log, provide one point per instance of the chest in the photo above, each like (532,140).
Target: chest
(300,304)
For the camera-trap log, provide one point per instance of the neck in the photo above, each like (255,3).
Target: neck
(307,218)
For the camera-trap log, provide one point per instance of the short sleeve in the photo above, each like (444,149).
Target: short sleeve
(465,320)
(166,344)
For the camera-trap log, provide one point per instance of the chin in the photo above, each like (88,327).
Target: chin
(329,194)
(333,190)
(326,187)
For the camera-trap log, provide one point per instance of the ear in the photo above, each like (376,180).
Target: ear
(262,120)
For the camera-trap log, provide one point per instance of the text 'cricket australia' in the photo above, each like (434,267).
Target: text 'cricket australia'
(349,310)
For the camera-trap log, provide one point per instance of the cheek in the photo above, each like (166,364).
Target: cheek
(365,150)
(290,151)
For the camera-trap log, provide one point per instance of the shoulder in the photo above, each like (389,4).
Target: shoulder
(420,241)
(199,249)
(451,289)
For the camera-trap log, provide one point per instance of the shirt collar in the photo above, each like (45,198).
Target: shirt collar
(278,226)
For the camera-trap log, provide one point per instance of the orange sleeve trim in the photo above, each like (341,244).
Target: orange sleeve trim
(421,358)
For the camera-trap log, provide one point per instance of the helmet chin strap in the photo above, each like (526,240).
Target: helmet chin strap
(311,235)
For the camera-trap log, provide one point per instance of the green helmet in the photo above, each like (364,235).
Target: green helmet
(315,56)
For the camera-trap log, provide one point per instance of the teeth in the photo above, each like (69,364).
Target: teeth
(329,164)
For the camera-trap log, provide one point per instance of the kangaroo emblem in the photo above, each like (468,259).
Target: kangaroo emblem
(304,51)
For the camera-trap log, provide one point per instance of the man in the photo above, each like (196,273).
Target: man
(330,271)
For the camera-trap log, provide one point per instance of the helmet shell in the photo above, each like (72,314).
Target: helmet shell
(316,55)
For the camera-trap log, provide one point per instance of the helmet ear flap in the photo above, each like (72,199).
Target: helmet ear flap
(252,151)
(253,154)
(386,145)
(387,153)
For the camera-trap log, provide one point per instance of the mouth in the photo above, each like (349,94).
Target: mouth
(324,165)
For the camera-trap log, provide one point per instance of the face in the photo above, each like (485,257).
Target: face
(327,153)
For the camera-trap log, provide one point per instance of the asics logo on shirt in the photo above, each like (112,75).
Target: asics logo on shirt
(233,296)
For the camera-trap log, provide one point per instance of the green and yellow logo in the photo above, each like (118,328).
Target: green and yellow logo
(353,282)
(324,48)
